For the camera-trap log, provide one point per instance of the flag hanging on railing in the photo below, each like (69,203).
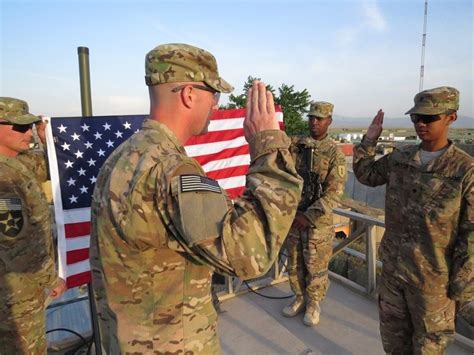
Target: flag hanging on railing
(82,144)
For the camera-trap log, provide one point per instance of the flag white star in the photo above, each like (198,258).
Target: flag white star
(101,152)
(118,134)
(62,128)
(69,164)
(127,125)
(83,189)
(93,180)
(109,143)
(98,135)
(78,154)
(75,136)
(85,127)
(106,126)
(88,145)
(81,172)
(91,162)
(71,182)
(65,146)
(136,131)
(72,199)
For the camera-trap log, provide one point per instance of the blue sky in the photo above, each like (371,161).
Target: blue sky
(360,55)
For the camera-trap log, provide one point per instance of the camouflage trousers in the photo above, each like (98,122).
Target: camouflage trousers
(309,252)
(22,326)
(414,321)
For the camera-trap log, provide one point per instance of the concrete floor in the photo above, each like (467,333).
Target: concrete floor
(252,324)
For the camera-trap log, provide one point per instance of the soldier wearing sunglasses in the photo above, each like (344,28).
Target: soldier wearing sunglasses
(427,249)
(27,267)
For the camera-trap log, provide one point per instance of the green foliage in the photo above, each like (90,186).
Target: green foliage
(294,105)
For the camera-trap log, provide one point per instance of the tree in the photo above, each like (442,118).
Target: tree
(294,105)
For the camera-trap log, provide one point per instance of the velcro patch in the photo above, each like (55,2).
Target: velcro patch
(189,183)
(11,217)
(10,204)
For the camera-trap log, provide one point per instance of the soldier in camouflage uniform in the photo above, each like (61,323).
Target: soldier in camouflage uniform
(427,249)
(160,228)
(27,267)
(323,168)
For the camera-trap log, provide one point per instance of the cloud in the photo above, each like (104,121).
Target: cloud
(374,17)
(128,105)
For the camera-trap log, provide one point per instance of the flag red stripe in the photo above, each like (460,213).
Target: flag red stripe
(228,172)
(224,154)
(78,279)
(223,114)
(74,256)
(80,229)
(235,192)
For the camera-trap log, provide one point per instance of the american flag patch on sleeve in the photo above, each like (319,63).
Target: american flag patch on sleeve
(10,204)
(191,183)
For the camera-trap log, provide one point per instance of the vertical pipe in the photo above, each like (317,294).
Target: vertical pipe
(86,105)
(85,81)
(371,258)
(423,45)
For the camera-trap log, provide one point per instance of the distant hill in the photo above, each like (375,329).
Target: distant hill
(360,122)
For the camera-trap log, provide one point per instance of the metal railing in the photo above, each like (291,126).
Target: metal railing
(233,285)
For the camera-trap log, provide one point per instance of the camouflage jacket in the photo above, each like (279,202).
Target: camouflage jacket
(429,217)
(27,263)
(330,165)
(160,228)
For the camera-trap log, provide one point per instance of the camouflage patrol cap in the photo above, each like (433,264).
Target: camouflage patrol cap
(177,62)
(16,111)
(435,101)
(320,109)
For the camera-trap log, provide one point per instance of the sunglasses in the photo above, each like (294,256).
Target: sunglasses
(216,94)
(426,119)
(312,118)
(21,128)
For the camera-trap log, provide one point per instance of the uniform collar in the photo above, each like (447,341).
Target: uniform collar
(154,125)
(414,157)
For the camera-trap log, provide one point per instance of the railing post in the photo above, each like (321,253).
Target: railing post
(276,269)
(371,258)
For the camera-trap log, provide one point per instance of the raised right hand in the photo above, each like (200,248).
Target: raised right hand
(375,129)
(260,114)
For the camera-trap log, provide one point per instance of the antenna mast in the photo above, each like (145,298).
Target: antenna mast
(423,45)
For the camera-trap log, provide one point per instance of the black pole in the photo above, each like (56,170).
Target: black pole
(86,104)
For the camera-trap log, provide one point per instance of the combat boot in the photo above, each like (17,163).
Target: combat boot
(311,316)
(296,307)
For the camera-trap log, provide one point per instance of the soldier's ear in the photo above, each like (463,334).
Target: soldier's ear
(451,117)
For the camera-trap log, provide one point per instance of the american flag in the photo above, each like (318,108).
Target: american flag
(82,144)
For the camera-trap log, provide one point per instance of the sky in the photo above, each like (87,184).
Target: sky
(361,55)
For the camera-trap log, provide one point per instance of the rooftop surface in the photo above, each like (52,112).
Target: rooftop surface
(251,324)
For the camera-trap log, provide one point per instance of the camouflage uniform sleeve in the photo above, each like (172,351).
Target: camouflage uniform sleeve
(35,160)
(366,169)
(242,239)
(461,281)
(332,187)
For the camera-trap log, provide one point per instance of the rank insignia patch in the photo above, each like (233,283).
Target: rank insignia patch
(11,218)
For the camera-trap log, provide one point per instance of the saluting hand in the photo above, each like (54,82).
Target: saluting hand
(260,114)
(40,130)
(376,127)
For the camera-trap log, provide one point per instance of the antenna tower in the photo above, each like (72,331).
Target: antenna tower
(423,45)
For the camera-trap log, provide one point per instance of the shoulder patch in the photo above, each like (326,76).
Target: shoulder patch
(190,183)
(11,217)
